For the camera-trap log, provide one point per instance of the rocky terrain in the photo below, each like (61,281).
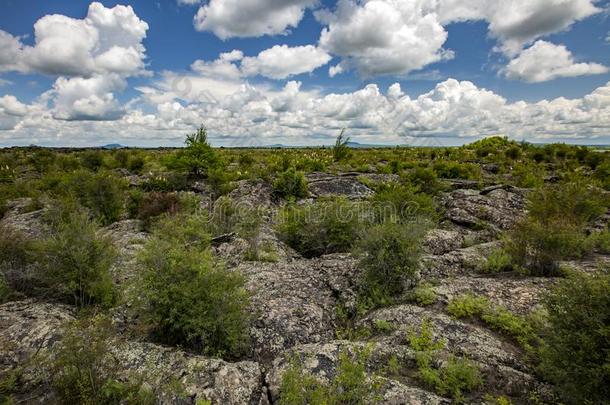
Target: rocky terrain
(295,301)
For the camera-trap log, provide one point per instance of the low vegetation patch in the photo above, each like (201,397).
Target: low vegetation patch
(191,299)
(349,385)
(575,353)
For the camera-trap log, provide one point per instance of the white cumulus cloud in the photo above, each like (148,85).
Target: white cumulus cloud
(545,61)
(282,61)
(251,18)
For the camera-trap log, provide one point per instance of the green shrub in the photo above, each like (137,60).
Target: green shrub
(92,159)
(554,228)
(165,182)
(197,159)
(191,299)
(83,370)
(454,377)
(290,184)
(103,193)
(390,259)
(327,226)
(575,354)
(153,204)
(456,170)
(400,203)
(341,150)
(423,295)
(75,261)
(498,261)
(349,385)
(224,216)
(519,328)
(426,180)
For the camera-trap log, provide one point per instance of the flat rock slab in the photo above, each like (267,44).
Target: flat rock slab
(294,302)
(324,185)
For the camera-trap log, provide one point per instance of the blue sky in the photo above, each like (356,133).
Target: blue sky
(459,70)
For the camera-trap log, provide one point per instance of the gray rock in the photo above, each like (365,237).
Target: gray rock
(323,185)
(294,302)
(498,209)
(457,262)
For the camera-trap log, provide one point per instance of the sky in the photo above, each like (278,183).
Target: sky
(296,72)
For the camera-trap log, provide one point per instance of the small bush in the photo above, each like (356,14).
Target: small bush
(350,384)
(423,295)
(454,377)
(5,291)
(192,300)
(399,203)
(290,184)
(103,193)
(496,317)
(555,226)
(92,160)
(165,182)
(75,262)
(154,204)
(575,353)
(84,371)
(390,259)
(328,226)
(498,261)
(341,150)
(426,180)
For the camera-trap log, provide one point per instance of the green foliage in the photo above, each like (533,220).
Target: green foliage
(575,354)
(401,203)
(92,159)
(191,299)
(340,150)
(327,226)
(554,228)
(349,385)
(198,158)
(426,180)
(165,182)
(84,372)
(456,170)
(290,184)
(498,261)
(520,328)
(390,257)
(423,295)
(5,291)
(103,192)
(75,261)
(454,377)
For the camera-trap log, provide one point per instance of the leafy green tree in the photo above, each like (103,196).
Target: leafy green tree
(197,158)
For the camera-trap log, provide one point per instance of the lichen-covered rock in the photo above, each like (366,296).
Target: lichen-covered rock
(457,262)
(463,338)
(201,378)
(321,361)
(520,295)
(20,217)
(293,302)
(27,327)
(323,185)
(441,241)
(497,208)
(128,238)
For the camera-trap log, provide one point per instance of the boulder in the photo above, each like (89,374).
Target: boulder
(324,185)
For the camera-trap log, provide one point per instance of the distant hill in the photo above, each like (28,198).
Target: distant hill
(113,146)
